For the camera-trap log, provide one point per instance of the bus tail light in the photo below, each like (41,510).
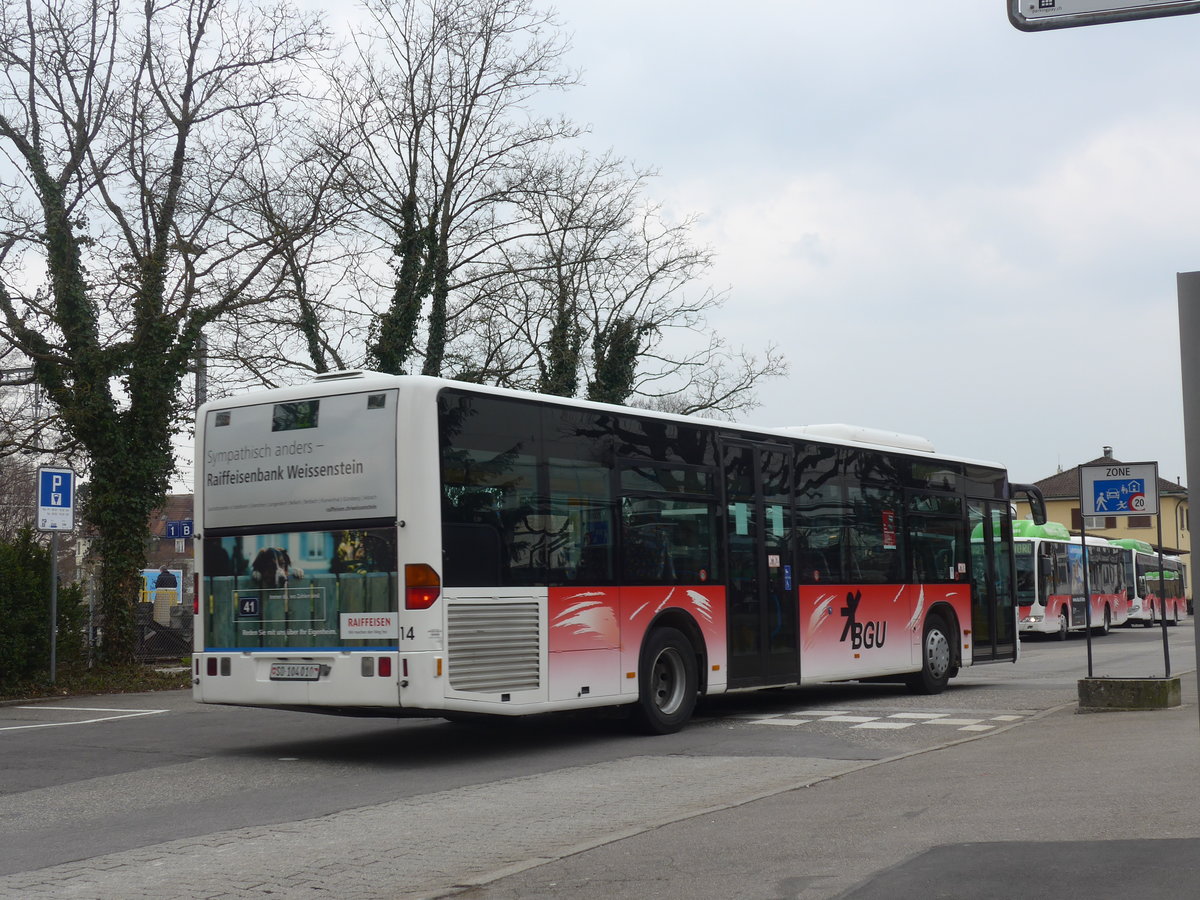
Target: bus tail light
(422,586)
(385,667)
(196,594)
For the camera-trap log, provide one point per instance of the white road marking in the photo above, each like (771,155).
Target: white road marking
(124,714)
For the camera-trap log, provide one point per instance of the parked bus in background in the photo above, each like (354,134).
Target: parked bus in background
(1141,563)
(1050,584)
(1139,604)
(1164,588)
(405,545)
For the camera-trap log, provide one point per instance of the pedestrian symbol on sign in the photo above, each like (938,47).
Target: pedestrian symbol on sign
(1117,496)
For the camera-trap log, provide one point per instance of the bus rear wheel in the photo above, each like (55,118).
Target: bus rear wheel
(668,678)
(937,659)
(1064,627)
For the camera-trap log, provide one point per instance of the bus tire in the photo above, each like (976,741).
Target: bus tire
(937,658)
(668,679)
(1106,624)
(1064,627)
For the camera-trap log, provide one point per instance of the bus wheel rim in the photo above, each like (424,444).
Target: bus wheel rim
(937,653)
(667,681)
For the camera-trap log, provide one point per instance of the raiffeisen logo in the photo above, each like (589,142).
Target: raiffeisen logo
(861,634)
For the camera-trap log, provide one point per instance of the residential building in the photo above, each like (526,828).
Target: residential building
(1062,505)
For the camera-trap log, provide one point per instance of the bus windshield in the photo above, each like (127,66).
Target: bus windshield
(1026,580)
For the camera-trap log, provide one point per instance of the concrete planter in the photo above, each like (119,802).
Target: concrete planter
(1115,694)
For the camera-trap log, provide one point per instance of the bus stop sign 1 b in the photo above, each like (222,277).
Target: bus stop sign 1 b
(1120,489)
(1041,15)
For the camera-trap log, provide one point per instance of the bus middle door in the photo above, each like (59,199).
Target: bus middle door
(763,612)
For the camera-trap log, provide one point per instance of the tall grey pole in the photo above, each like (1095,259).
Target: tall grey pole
(1188,286)
(1087,584)
(1162,598)
(53,606)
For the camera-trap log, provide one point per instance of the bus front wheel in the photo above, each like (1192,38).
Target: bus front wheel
(937,659)
(668,678)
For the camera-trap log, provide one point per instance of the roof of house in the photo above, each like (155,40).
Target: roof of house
(1065,485)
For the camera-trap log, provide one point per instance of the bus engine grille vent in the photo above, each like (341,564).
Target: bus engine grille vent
(493,647)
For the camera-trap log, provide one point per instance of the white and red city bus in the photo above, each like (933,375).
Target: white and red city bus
(1165,590)
(1051,595)
(1154,586)
(1140,605)
(404,545)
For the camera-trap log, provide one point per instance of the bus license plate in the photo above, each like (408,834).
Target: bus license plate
(295,671)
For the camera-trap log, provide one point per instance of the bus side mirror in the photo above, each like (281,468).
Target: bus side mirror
(1037,503)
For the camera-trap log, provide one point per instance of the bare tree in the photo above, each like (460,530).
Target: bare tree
(442,87)
(603,294)
(300,193)
(122,229)
(18,503)
(515,262)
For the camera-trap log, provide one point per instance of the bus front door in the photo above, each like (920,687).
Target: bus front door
(763,609)
(993,591)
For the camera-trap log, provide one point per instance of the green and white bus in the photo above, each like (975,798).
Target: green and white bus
(1147,596)
(1050,585)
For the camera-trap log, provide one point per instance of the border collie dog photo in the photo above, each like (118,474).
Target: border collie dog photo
(272,567)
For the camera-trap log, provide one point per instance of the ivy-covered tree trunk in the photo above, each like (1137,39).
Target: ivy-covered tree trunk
(616,358)
(120,522)
(561,373)
(396,331)
(435,345)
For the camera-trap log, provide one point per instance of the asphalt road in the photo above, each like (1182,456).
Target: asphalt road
(135,795)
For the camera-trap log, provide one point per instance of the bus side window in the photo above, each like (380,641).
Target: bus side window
(472,555)
(647,552)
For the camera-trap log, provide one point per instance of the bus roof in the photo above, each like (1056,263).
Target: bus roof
(862,435)
(1132,544)
(365,379)
(1025,528)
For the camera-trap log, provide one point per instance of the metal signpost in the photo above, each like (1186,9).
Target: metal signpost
(55,513)
(1120,489)
(1042,15)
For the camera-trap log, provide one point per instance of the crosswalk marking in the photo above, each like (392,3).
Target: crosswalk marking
(896,721)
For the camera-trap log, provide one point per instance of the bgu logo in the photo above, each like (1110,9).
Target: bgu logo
(861,634)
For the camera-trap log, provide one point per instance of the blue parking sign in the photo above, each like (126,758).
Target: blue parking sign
(56,499)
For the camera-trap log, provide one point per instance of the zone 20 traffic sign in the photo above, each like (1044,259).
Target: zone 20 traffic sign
(1120,489)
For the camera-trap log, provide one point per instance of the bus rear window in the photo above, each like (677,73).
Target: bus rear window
(293,589)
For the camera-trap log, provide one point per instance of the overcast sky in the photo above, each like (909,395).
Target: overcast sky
(952,228)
